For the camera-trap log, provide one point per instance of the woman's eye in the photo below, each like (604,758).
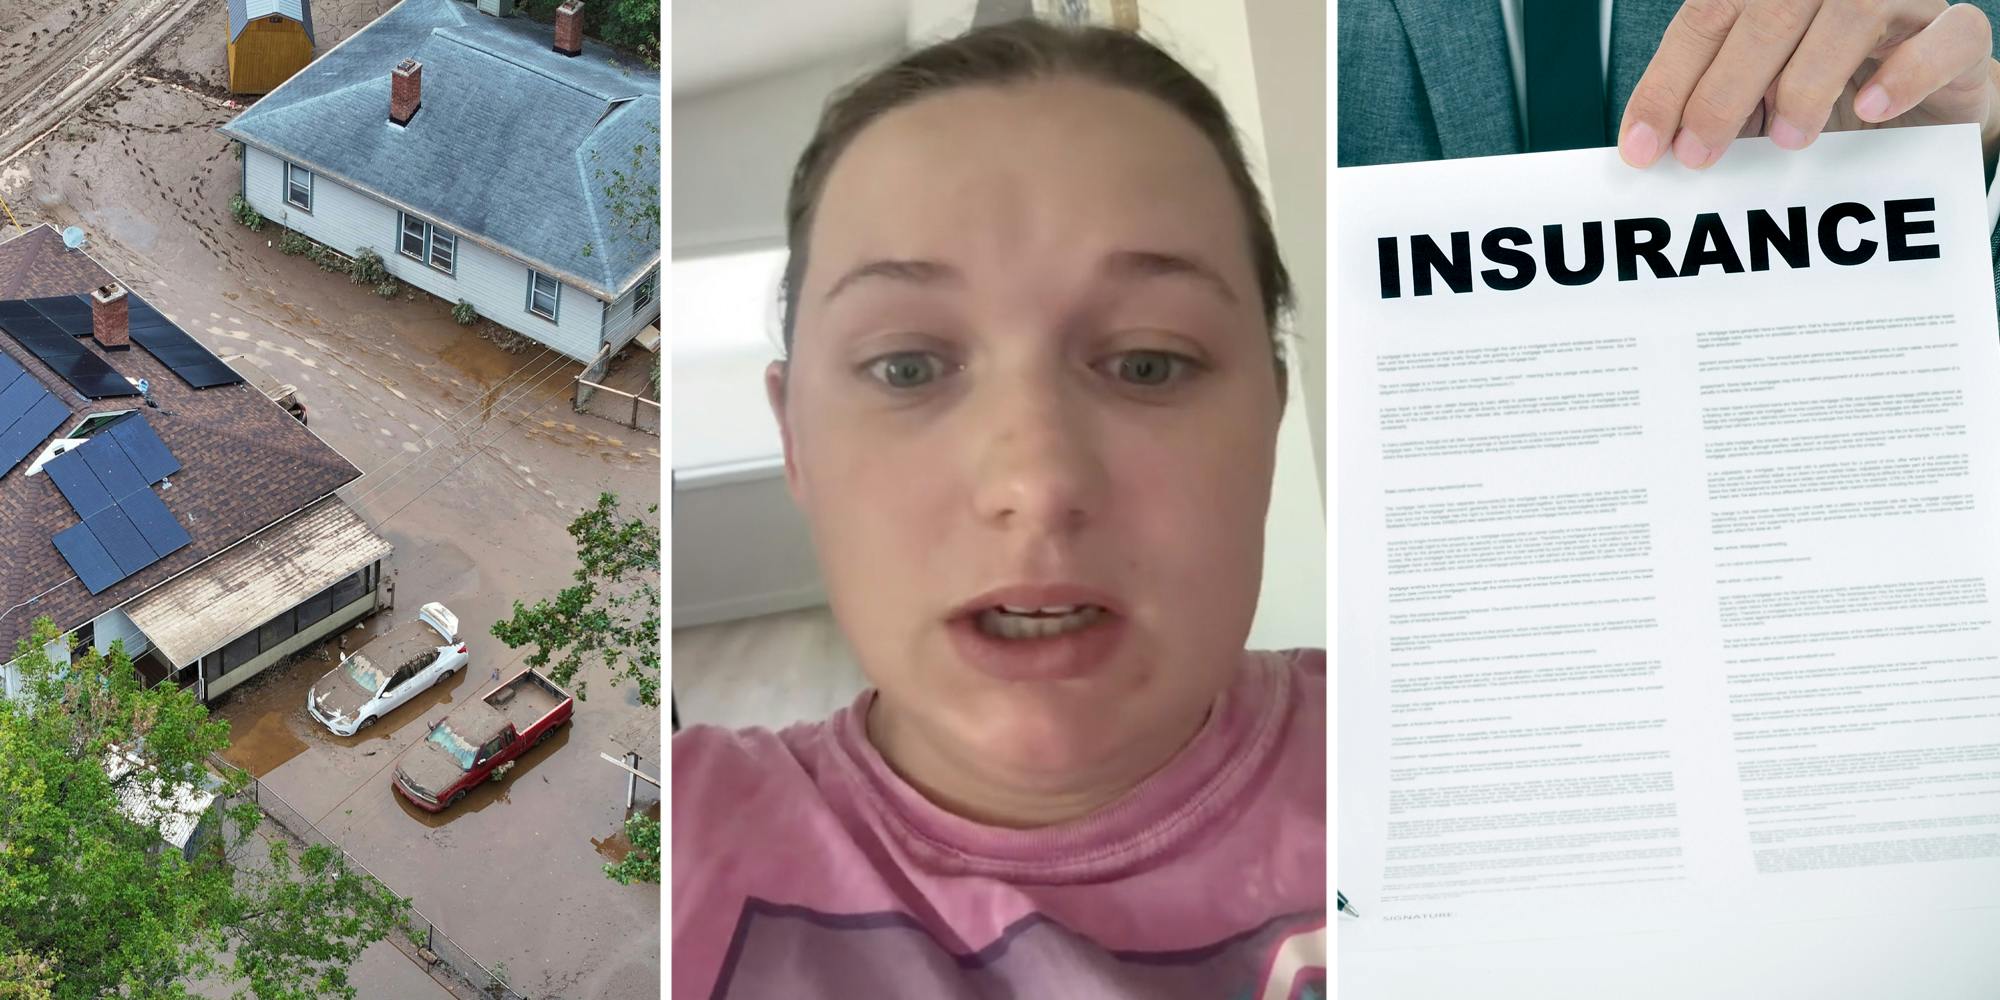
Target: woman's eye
(1149,368)
(906,369)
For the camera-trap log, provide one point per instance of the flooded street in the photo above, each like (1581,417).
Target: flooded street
(474,464)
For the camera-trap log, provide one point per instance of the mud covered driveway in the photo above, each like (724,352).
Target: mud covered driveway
(474,463)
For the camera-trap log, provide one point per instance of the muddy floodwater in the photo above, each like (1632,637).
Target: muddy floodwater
(473,462)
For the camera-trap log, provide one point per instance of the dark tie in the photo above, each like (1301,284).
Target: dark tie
(1564,75)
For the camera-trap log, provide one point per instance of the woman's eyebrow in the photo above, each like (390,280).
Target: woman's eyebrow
(1157,264)
(918,272)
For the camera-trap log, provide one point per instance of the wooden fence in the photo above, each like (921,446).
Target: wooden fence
(632,418)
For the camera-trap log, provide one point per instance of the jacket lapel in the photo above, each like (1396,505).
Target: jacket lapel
(1461,53)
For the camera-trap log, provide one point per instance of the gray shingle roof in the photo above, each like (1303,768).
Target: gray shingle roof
(513,145)
(242,12)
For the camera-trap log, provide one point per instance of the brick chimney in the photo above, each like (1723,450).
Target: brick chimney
(406,91)
(109,318)
(569,28)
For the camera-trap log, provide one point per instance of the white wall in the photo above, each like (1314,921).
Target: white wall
(621,321)
(496,285)
(114,625)
(740,547)
(1212,38)
(1288,40)
(734,150)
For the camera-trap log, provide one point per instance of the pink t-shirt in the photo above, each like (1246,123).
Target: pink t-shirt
(804,867)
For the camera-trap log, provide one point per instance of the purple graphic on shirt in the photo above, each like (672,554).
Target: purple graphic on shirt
(781,952)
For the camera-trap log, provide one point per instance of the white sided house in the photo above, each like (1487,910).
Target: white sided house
(487,159)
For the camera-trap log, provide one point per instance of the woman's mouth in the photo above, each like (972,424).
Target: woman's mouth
(1039,633)
(1008,621)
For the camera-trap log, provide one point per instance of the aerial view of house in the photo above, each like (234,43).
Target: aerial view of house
(481,157)
(303,305)
(154,559)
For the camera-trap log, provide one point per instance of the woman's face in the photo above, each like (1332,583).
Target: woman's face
(1030,414)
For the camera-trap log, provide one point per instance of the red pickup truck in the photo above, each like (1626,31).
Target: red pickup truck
(464,747)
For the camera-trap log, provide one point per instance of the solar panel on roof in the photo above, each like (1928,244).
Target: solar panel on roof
(122,539)
(65,355)
(195,364)
(79,485)
(143,445)
(26,433)
(87,557)
(17,398)
(113,467)
(156,522)
(71,313)
(208,375)
(123,521)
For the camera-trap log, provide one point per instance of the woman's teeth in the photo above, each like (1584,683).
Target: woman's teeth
(1010,622)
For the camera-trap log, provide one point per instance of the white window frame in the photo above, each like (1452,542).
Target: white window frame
(447,244)
(409,227)
(292,170)
(555,300)
(431,239)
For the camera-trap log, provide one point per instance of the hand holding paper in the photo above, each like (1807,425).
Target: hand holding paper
(1790,70)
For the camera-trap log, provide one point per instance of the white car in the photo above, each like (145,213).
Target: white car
(391,669)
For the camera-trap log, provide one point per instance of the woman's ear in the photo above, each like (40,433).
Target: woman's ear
(775,375)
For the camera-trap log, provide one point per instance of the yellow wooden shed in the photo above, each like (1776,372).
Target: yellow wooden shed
(269,40)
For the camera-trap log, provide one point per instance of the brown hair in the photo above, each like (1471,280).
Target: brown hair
(1018,51)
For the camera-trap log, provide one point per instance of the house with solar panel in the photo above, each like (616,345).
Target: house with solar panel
(480,156)
(150,496)
(269,40)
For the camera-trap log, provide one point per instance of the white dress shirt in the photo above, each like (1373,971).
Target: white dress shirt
(1510,15)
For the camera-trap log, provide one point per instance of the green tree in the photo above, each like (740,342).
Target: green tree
(611,613)
(641,865)
(90,761)
(634,189)
(26,977)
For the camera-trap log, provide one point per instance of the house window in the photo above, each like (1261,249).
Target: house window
(314,609)
(239,652)
(644,296)
(423,242)
(348,590)
(544,295)
(415,234)
(444,251)
(298,187)
(275,631)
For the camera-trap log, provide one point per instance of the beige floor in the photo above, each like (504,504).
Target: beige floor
(770,671)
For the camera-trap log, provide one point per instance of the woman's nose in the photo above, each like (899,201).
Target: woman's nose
(1038,468)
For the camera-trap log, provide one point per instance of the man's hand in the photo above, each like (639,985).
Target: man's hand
(1791,69)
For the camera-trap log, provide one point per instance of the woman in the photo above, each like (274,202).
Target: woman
(1030,407)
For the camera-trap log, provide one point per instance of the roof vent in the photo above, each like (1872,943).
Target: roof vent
(497,8)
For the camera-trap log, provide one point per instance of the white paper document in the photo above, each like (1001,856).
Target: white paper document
(1669,546)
